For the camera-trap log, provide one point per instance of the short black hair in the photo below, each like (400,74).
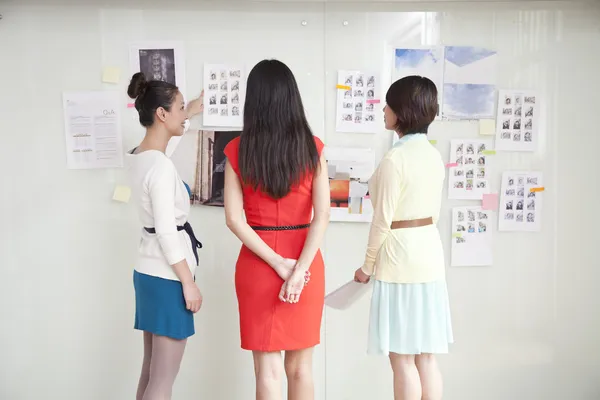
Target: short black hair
(414,100)
(149,96)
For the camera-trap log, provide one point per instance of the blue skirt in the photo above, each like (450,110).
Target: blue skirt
(160,307)
(410,318)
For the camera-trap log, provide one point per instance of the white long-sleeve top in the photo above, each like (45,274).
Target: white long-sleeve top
(163,203)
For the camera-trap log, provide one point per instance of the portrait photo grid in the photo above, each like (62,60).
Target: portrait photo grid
(469,179)
(471,236)
(517,114)
(223,95)
(520,206)
(358,107)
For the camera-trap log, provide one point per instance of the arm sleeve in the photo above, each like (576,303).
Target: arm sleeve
(387,192)
(162,182)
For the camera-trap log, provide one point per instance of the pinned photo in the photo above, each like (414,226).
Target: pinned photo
(529,112)
(507,111)
(521,192)
(461,216)
(347,105)
(223,100)
(460,240)
(224,112)
(358,93)
(481,148)
(212,100)
(224,86)
(527,137)
(519,217)
(235,86)
(481,173)
(530,217)
(517,100)
(517,137)
(370,107)
(348,80)
(358,106)
(460,228)
(213,111)
(347,117)
(459,150)
(471,228)
(370,118)
(470,174)
(520,181)
(471,215)
(360,81)
(213,76)
(509,216)
(482,227)
(520,205)
(470,149)
(509,205)
(469,185)
(506,135)
(348,94)
(518,112)
(510,192)
(235,111)
(517,124)
(213,86)
(459,161)
(223,75)
(469,160)
(235,99)
(371,81)
(481,161)
(482,215)
(532,180)
(236,73)
(507,100)
(531,195)
(459,185)
(481,185)
(528,124)
(358,118)
(511,181)
(370,94)
(530,99)
(531,205)
(506,124)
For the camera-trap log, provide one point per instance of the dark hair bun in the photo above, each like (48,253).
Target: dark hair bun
(137,86)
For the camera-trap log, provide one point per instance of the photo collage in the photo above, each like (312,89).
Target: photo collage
(223,96)
(471,236)
(516,126)
(358,102)
(468,172)
(519,204)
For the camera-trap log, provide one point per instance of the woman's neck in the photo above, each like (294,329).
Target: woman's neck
(155,139)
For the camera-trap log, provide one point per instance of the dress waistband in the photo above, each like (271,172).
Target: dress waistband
(413,223)
(188,229)
(280,228)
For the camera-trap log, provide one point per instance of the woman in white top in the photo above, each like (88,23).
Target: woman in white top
(165,291)
(410,314)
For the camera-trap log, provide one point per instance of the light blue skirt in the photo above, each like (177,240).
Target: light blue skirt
(410,318)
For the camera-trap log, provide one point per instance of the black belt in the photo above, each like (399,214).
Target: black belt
(280,228)
(188,229)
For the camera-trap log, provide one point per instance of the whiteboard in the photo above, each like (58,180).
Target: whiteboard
(67,251)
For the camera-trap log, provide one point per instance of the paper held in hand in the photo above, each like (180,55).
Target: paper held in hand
(347,294)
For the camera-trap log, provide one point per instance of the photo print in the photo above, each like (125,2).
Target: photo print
(468,180)
(358,92)
(517,126)
(521,205)
(475,246)
(224,85)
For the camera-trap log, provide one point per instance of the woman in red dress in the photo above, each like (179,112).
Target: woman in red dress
(277,176)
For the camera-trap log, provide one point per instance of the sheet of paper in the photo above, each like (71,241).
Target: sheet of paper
(111,75)
(349,171)
(224,94)
(359,102)
(422,61)
(93,130)
(471,237)
(517,120)
(347,294)
(469,82)
(161,61)
(469,179)
(122,194)
(487,127)
(520,208)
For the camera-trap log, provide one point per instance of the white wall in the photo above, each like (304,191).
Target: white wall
(525,328)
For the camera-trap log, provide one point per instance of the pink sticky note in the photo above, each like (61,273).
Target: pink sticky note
(490,201)
(451,165)
(130,105)
(372,101)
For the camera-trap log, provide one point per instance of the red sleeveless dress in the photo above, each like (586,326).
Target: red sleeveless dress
(266,323)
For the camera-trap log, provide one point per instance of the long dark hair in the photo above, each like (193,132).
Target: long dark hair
(277,148)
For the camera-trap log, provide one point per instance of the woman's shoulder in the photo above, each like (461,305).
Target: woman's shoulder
(232,146)
(319,143)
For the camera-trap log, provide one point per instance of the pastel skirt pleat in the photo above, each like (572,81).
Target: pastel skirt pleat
(410,318)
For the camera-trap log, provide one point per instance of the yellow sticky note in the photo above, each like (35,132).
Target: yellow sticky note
(122,194)
(489,152)
(343,87)
(537,189)
(456,234)
(111,75)
(433,141)
(487,127)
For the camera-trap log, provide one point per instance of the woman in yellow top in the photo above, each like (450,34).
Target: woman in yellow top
(410,313)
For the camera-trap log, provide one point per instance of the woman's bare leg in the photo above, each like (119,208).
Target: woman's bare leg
(167,354)
(407,385)
(298,369)
(145,374)
(267,369)
(431,377)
